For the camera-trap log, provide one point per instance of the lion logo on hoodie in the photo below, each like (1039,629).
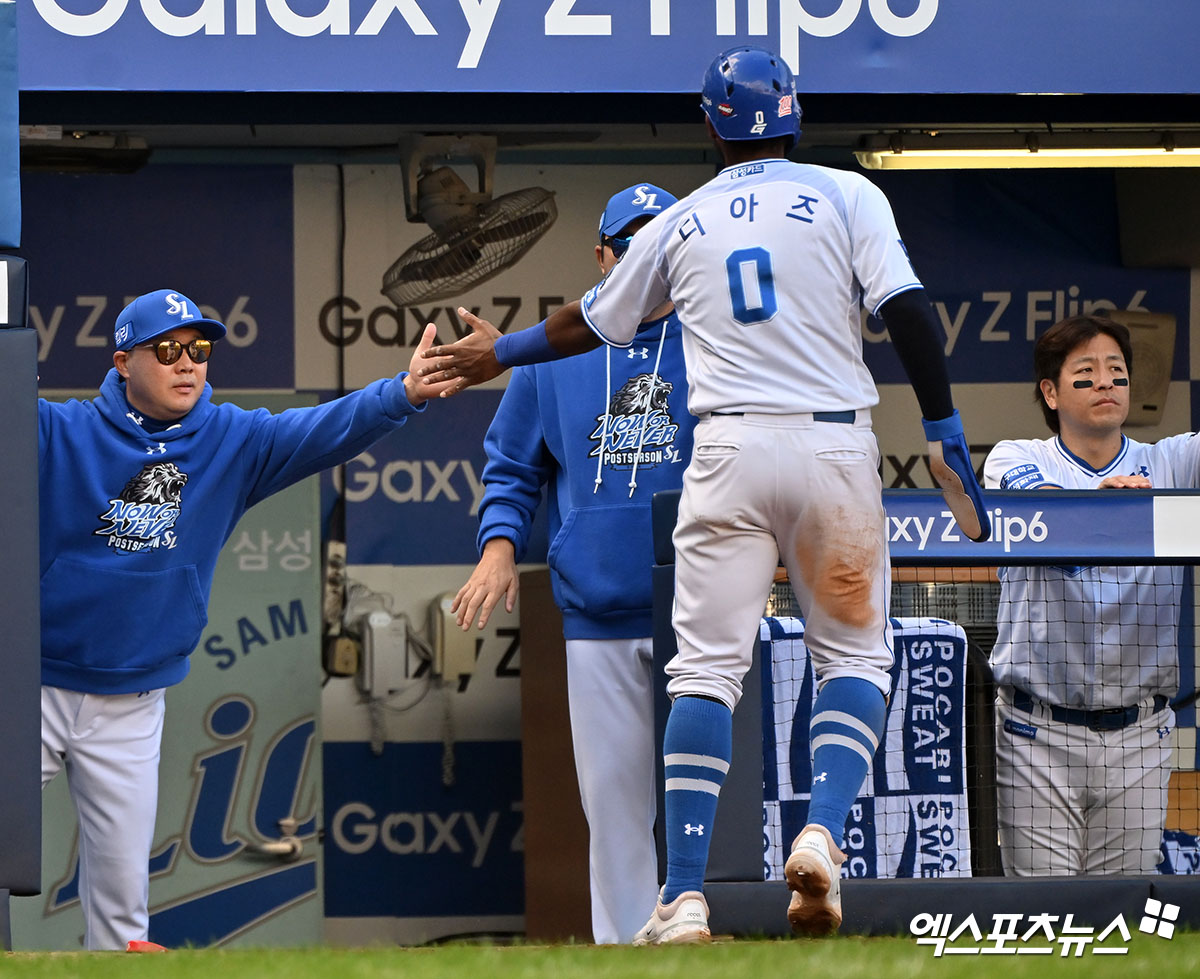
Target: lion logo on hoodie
(645,391)
(142,516)
(637,428)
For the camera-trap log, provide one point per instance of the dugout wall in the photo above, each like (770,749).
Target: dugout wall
(20,718)
(745,893)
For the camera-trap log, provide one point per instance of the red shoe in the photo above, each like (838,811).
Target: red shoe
(136,946)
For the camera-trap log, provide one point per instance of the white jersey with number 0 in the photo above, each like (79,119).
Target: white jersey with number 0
(1090,637)
(769,265)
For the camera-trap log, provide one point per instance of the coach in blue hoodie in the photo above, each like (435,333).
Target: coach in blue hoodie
(140,488)
(606,431)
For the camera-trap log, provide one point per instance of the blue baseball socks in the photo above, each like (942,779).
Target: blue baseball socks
(697,746)
(847,723)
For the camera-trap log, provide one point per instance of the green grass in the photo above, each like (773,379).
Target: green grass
(838,958)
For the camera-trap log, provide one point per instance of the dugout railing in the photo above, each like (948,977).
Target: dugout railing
(937,575)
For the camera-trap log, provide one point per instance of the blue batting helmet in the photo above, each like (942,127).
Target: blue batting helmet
(749,93)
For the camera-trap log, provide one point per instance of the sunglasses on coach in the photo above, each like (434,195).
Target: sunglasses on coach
(169,351)
(619,246)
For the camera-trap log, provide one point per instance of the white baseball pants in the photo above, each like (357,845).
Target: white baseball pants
(109,745)
(762,489)
(1071,800)
(611,699)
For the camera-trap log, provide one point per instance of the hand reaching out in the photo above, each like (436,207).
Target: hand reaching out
(454,367)
(417,388)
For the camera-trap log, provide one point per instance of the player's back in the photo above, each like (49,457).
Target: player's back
(768,265)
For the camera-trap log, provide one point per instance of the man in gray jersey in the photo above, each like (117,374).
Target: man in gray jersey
(769,265)
(1085,660)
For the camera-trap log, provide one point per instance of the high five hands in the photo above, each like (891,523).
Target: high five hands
(453,367)
(419,389)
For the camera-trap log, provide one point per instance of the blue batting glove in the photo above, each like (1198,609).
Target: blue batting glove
(950,464)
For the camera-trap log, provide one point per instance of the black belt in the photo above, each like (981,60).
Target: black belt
(837,417)
(1108,719)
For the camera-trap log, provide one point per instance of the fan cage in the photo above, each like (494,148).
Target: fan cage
(505,229)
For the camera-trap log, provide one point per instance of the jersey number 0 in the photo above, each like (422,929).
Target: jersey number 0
(751,285)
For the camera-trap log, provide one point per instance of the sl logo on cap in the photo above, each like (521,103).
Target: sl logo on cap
(178,307)
(122,334)
(645,199)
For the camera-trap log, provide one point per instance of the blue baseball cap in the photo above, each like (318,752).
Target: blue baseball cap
(638,201)
(155,313)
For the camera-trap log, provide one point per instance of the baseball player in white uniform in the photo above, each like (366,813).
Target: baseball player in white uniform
(1086,659)
(769,265)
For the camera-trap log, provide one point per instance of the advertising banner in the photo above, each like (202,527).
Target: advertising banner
(1004,255)
(911,818)
(400,847)
(572,45)
(413,497)
(222,236)
(10,154)
(1058,527)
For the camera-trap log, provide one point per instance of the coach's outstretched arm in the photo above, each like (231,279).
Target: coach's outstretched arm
(486,353)
(913,327)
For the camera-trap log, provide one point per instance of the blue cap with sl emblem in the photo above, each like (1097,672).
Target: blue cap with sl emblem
(638,201)
(155,313)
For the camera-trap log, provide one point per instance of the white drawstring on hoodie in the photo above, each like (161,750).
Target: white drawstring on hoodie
(637,457)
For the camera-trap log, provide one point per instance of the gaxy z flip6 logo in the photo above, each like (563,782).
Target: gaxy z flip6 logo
(141,518)
(637,416)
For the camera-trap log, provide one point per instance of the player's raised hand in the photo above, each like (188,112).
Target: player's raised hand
(466,362)
(419,389)
(950,465)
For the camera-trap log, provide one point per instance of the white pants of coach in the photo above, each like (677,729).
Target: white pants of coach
(611,699)
(109,746)
(765,488)
(1071,800)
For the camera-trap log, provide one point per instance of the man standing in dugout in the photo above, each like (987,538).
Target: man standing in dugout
(601,469)
(140,488)
(1086,658)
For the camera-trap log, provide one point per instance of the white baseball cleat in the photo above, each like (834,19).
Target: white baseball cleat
(814,876)
(683,921)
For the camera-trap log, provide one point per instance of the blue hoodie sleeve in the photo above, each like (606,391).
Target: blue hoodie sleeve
(518,465)
(299,442)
